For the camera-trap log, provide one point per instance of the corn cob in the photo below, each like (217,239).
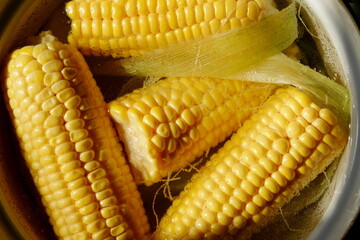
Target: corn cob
(70,146)
(167,125)
(277,152)
(123,28)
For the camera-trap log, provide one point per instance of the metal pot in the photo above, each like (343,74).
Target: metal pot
(21,214)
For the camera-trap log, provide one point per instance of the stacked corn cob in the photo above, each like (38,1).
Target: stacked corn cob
(284,146)
(177,120)
(123,28)
(70,145)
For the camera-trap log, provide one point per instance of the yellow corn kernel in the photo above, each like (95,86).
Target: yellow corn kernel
(64,152)
(96,20)
(266,183)
(177,123)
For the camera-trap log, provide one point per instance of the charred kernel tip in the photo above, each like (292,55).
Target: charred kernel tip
(69,72)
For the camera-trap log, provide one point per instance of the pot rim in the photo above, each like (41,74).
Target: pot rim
(344,34)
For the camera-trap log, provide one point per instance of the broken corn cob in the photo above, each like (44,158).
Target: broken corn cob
(277,152)
(70,146)
(166,125)
(123,28)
